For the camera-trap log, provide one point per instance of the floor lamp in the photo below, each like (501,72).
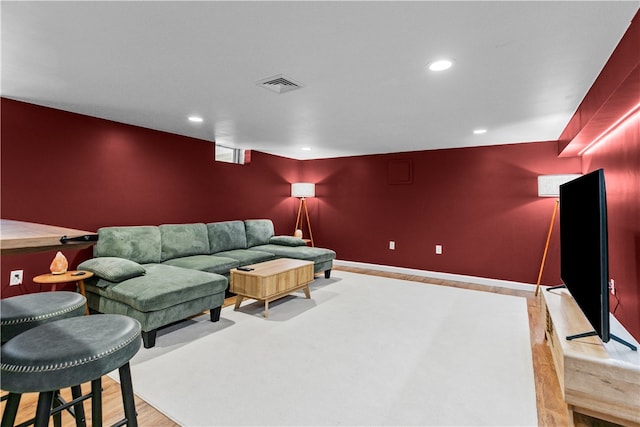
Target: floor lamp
(549,186)
(302,190)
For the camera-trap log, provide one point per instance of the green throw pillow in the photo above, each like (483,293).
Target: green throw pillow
(113,269)
(287,241)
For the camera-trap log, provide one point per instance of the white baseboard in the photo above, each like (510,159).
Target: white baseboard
(438,275)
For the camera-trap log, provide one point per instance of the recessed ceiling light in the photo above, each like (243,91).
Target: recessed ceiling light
(195,119)
(441,65)
(306,148)
(479,131)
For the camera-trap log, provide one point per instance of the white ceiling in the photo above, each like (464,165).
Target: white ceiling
(521,68)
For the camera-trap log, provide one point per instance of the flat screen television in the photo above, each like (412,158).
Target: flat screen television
(584,251)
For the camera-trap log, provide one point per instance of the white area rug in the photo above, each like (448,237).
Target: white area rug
(363,350)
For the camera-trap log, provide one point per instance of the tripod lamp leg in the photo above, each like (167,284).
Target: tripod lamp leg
(546,246)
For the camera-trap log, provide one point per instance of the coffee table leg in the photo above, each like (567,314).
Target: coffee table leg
(266,309)
(306,292)
(239,299)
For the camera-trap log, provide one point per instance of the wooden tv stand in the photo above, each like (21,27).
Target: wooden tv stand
(598,379)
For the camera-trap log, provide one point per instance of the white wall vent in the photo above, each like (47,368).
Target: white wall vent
(279,83)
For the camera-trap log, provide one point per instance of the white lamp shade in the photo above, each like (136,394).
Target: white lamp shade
(549,185)
(303,189)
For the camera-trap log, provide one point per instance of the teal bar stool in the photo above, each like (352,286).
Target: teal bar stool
(67,353)
(23,312)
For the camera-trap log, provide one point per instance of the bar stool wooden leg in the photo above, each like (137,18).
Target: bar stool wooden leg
(78,409)
(43,411)
(57,401)
(96,402)
(11,410)
(126,389)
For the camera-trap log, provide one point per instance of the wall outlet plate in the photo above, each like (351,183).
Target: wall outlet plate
(438,249)
(16,277)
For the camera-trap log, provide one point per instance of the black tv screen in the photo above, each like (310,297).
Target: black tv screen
(584,259)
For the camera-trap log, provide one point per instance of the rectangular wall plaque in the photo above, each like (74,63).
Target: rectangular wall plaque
(400,171)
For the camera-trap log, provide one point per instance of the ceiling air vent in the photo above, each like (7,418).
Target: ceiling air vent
(279,84)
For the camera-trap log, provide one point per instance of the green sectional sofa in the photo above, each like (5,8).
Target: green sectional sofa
(162,274)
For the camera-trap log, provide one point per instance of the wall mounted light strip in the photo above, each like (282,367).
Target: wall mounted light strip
(610,129)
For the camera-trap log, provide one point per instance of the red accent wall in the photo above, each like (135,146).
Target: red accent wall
(81,172)
(480,204)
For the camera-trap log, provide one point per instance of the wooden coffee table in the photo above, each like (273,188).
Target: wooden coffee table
(270,280)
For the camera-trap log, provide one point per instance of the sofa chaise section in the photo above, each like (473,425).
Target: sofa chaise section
(162,295)
(322,258)
(261,237)
(130,278)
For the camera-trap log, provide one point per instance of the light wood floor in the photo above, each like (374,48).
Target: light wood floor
(551,407)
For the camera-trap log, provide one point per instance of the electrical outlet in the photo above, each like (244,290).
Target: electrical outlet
(392,245)
(16,277)
(438,249)
(612,287)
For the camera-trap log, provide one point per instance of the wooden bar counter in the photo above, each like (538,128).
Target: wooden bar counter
(598,379)
(19,237)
